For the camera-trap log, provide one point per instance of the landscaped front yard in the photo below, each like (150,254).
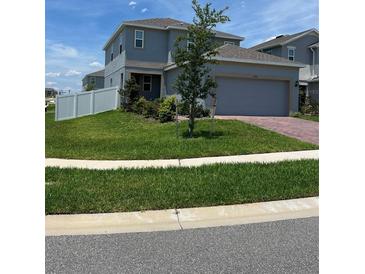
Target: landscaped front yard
(91,191)
(120,135)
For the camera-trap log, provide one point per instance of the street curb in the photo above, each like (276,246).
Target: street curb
(191,162)
(179,219)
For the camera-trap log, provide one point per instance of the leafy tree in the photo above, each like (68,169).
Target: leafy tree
(194,81)
(130,93)
(89,87)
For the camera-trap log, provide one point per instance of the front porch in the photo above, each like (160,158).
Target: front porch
(151,83)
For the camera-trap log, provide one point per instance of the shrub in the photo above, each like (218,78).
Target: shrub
(309,107)
(151,109)
(167,110)
(129,93)
(140,106)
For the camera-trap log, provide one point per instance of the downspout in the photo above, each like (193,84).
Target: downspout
(313,61)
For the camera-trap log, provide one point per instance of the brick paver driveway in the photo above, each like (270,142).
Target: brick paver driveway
(307,131)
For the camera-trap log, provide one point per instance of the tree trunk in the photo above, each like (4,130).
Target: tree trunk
(191,120)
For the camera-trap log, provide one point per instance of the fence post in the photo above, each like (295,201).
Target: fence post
(117,97)
(56,109)
(75,105)
(92,102)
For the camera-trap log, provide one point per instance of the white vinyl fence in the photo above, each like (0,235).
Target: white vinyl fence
(86,103)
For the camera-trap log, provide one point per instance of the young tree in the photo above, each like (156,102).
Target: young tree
(194,81)
(130,93)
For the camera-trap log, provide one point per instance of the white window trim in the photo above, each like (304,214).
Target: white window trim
(188,42)
(150,83)
(228,43)
(291,48)
(135,38)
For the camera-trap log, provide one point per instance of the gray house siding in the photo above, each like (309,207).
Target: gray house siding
(99,81)
(116,78)
(154,49)
(174,34)
(302,53)
(277,51)
(114,47)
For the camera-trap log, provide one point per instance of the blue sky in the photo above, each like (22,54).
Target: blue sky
(76,30)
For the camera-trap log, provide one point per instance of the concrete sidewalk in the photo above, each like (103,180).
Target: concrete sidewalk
(179,219)
(115,164)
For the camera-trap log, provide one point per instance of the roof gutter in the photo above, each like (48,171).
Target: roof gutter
(245,61)
(249,61)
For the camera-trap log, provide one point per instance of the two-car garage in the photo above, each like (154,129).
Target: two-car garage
(244,96)
(250,83)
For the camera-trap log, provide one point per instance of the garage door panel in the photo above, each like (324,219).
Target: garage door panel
(239,96)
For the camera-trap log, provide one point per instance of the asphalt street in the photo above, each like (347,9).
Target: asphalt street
(289,246)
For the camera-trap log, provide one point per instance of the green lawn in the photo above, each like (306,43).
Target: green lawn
(314,118)
(92,191)
(51,108)
(120,135)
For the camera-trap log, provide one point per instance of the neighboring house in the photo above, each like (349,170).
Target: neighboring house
(249,82)
(96,79)
(50,92)
(302,47)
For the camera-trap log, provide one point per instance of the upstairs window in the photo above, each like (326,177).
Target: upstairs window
(228,43)
(147,82)
(291,53)
(120,48)
(139,39)
(111,56)
(111,82)
(189,44)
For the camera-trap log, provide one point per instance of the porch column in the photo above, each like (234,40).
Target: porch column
(163,86)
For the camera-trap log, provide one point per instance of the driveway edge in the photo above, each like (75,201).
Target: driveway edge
(178,219)
(164,163)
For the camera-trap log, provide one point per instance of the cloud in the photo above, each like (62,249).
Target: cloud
(95,64)
(61,50)
(51,83)
(144,10)
(72,73)
(53,74)
(243,4)
(132,4)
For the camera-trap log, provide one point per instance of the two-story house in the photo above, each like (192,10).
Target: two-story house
(95,79)
(302,47)
(249,82)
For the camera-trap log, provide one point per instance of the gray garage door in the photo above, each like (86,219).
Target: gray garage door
(238,96)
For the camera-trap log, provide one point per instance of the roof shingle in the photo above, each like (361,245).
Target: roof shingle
(282,39)
(236,52)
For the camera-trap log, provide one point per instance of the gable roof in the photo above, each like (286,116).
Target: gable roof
(233,53)
(164,24)
(99,73)
(283,40)
(238,54)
